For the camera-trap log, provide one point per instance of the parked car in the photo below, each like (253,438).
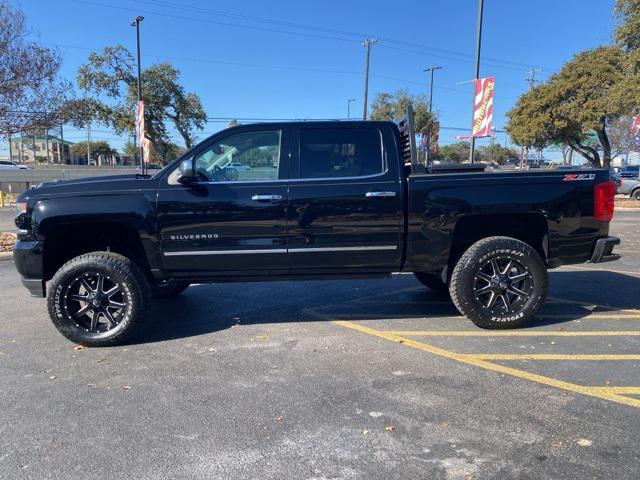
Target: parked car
(630,171)
(9,165)
(348,200)
(628,186)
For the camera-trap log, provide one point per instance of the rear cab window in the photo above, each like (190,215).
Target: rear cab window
(340,153)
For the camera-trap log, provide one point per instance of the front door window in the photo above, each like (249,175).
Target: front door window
(244,157)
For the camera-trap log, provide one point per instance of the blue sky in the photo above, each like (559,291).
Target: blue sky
(245,67)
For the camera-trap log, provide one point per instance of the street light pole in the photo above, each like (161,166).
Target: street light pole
(431,70)
(136,23)
(367,44)
(349,107)
(476,75)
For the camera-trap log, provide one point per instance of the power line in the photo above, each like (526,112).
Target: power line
(531,78)
(269,67)
(442,53)
(179,6)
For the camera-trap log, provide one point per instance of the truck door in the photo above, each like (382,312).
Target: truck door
(345,199)
(234,217)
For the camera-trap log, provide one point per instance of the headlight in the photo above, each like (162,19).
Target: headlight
(22,207)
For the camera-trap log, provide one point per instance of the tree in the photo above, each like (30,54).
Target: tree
(30,88)
(496,153)
(583,97)
(170,152)
(621,137)
(457,152)
(110,88)
(392,107)
(627,32)
(99,147)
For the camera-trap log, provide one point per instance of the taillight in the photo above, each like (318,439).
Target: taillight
(603,203)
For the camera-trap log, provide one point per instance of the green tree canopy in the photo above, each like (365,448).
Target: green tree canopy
(110,87)
(99,147)
(584,96)
(496,153)
(392,107)
(627,32)
(457,152)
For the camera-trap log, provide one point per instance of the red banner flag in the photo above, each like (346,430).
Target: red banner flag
(483,107)
(142,141)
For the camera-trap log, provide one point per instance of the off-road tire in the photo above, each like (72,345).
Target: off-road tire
(432,281)
(466,275)
(134,292)
(168,289)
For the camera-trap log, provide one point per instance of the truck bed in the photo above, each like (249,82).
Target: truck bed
(557,205)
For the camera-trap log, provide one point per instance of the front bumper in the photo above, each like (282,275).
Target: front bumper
(28,258)
(603,251)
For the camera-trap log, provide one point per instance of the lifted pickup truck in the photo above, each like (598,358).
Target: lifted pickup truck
(319,200)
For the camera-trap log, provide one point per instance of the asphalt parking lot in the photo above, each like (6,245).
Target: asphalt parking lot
(325,380)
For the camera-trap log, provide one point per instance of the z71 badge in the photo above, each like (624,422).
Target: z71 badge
(572,177)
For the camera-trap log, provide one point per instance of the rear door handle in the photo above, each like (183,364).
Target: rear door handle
(267,198)
(380,194)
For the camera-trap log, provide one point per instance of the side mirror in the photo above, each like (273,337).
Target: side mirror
(186,172)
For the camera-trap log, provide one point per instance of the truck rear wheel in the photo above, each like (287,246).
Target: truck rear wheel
(499,283)
(432,281)
(98,299)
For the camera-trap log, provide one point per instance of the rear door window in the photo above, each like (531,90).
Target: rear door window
(335,152)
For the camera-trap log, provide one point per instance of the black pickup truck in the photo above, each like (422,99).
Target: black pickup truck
(305,200)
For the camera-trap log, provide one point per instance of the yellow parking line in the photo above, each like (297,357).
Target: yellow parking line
(619,390)
(549,356)
(634,311)
(589,316)
(590,269)
(514,333)
(552,382)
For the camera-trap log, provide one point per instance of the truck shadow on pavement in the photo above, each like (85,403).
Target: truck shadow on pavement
(205,309)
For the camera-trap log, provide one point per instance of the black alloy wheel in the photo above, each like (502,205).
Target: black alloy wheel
(98,299)
(499,282)
(502,285)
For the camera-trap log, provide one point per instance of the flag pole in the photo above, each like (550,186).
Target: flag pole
(476,76)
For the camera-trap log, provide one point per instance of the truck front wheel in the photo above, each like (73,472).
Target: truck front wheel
(499,282)
(98,299)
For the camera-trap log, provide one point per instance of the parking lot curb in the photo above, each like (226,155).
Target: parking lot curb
(6,256)
(628,209)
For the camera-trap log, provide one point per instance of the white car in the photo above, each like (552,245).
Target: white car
(238,166)
(8,165)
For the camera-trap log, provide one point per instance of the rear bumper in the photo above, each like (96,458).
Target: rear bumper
(28,259)
(603,251)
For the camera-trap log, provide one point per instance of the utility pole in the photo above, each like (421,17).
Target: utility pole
(62,156)
(430,70)
(46,144)
(367,44)
(136,23)
(349,107)
(531,80)
(21,147)
(476,75)
(89,143)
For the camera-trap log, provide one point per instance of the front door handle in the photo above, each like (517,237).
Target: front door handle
(380,194)
(267,198)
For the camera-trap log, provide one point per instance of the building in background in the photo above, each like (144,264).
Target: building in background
(49,149)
